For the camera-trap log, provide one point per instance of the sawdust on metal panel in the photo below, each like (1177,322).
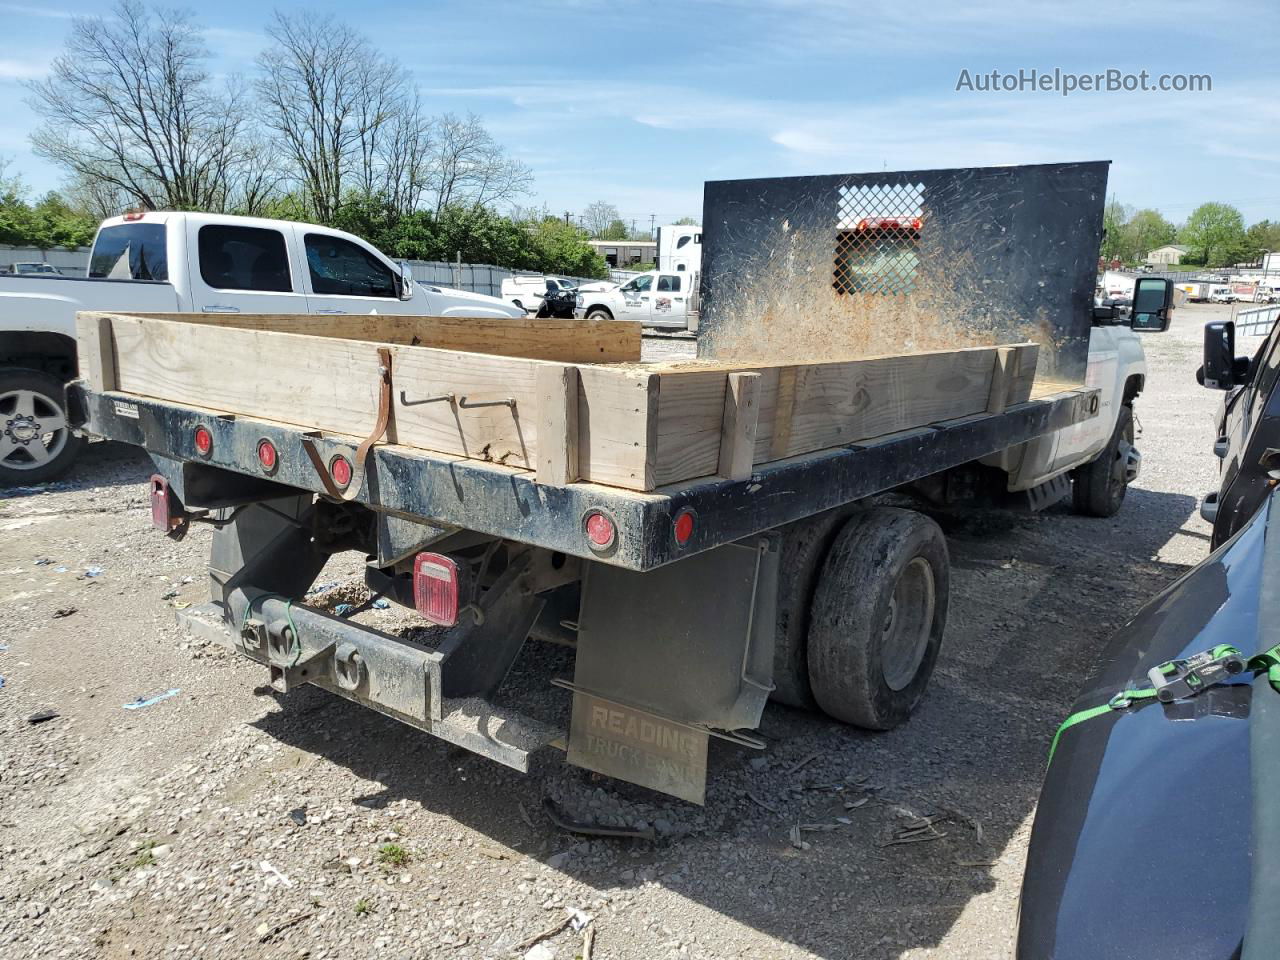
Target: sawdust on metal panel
(787,309)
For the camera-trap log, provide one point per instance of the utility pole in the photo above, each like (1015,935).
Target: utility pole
(567,215)
(652,217)
(633,226)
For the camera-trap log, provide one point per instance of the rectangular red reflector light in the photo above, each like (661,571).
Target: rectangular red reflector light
(161,506)
(435,588)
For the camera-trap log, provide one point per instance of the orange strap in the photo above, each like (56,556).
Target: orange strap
(362,452)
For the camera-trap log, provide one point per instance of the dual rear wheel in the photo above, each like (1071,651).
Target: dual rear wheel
(861,613)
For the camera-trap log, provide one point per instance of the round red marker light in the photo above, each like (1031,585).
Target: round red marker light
(340,470)
(684,527)
(600,531)
(267,455)
(203,440)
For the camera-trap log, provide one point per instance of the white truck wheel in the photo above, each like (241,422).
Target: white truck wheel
(37,443)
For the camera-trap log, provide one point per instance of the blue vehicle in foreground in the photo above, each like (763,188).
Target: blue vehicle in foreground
(1158,828)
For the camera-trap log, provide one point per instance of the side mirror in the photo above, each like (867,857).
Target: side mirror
(1152,301)
(406,280)
(1218,372)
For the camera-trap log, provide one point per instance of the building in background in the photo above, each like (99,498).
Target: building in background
(1170,253)
(626,253)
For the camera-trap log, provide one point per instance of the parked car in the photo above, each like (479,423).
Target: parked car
(184,262)
(1156,833)
(528,292)
(30,267)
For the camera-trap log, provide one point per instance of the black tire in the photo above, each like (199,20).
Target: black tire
(804,547)
(878,614)
(30,403)
(599,313)
(1100,485)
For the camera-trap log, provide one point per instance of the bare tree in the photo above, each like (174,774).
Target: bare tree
(469,168)
(598,216)
(332,99)
(129,110)
(404,152)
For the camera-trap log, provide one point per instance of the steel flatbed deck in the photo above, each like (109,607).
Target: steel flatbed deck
(509,503)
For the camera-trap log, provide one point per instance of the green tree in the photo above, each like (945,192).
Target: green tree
(1215,232)
(1147,230)
(561,248)
(1263,237)
(1116,242)
(616,230)
(688,222)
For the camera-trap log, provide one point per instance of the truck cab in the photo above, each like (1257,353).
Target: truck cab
(679,248)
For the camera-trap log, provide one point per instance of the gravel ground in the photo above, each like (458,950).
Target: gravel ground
(228,821)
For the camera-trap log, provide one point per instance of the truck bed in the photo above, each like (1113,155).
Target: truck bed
(520,503)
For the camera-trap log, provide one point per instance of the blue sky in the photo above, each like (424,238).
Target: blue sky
(638,104)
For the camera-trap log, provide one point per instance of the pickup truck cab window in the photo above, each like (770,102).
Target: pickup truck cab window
(641,284)
(339,267)
(130,251)
(244,258)
(668,283)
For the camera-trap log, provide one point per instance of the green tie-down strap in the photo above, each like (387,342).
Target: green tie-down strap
(1268,661)
(1119,702)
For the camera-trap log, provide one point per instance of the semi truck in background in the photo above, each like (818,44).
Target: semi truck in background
(679,248)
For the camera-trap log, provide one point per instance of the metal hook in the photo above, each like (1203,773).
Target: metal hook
(506,402)
(405,401)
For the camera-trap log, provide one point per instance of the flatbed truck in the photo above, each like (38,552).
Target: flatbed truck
(692,590)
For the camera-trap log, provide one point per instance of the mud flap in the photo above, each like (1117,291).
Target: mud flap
(668,658)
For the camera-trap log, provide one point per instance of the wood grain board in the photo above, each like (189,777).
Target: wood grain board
(567,341)
(628,425)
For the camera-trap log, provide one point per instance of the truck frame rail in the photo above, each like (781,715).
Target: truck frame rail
(508,503)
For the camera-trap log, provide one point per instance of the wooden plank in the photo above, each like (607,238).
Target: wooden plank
(618,426)
(319,383)
(687,436)
(557,388)
(837,403)
(564,341)
(1001,375)
(477,421)
(96,350)
(738,426)
(1026,357)
(783,408)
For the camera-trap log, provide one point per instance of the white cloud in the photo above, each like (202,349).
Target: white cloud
(22,69)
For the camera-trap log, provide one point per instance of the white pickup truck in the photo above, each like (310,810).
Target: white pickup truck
(178,263)
(656,298)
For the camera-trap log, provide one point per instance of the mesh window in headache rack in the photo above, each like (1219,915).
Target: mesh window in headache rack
(878,238)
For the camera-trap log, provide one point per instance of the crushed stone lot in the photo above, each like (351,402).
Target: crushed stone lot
(226,820)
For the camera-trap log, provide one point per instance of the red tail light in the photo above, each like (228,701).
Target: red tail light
(435,588)
(600,530)
(267,455)
(340,470)
(162,506)
(684,527)
(132,217)
(203,441)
